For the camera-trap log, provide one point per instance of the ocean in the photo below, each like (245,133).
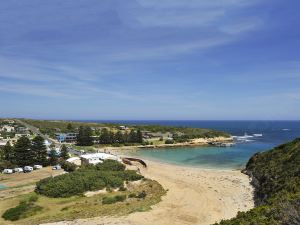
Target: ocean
(251,137)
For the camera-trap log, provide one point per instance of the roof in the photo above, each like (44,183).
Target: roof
(99,155)
(72,159)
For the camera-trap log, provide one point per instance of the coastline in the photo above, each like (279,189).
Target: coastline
(195,196)
(192,143)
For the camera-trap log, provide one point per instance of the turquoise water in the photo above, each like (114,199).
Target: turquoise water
(2,186)
(273,133)
(208,157)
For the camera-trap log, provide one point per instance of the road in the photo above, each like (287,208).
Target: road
(38,132)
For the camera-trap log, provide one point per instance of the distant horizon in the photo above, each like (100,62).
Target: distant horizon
(153,120)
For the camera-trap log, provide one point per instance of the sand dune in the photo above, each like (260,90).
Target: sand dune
(195,196)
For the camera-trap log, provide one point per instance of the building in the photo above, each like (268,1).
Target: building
(97,158)
(7,128)
(66,137)
(22,130)
(22,135)
(75,160)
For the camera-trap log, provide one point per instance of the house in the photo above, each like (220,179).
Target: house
(123,128)
(22,135)
(97,158)
(75,160)
(7,128)
(66,137)
(22,130)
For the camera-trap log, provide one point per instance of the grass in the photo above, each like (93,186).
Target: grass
(57,209)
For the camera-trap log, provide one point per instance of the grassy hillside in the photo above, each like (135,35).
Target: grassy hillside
(276,177)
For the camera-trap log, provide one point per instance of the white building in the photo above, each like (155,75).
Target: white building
(75,160)
(97,158)
(7,128)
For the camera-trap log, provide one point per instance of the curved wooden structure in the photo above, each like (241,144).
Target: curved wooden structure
(128,161)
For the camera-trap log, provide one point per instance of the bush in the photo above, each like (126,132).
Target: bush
(276,177)
(67,166)
(113,199)
(132,195)
(142,194)
(122,188)
(169,141)
(110,174)
(25,209)
(110,165)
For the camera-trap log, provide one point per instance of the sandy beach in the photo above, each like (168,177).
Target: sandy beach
(195,196)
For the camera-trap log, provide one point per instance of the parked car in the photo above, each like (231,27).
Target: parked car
(8,171)
(28,169)
(18,170)
(37,167)
(57,167)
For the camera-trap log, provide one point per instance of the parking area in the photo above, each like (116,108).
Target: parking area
(21,179)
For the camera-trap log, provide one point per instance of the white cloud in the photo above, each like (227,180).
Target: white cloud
(242,26)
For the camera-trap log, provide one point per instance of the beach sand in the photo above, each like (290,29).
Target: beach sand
(195,196)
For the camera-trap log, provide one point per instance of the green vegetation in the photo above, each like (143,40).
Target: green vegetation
(110,174)
(39,150)
(68,166)
(51,127)
(187,132)
(58,209)
(24,153)
(276,177)
(110,137)
(64,152)
(26,208)
(113,199)
(109,134)
(84,137)
(168,142)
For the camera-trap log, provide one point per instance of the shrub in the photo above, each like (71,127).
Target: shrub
(68,166)
(275,175)
(110,174)
(25,209)
(132,195)
(113,199)
(169,141)
(15,213)
(122,188)
(110,165)
(142,194)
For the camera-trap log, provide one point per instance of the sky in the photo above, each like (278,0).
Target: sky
(150,60)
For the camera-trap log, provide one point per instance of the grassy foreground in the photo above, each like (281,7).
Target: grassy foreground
(57,209)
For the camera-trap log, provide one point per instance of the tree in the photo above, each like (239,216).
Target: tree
(119,137)
(132,137)
(85,136)
(39,150)
(23,155)
(64,152)
(70,127)
(104,137)
(139,136)
(53,157)
(7,152)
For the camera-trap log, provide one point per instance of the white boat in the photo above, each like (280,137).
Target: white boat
(257,135)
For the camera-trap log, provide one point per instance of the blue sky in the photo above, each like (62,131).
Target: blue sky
(158,59)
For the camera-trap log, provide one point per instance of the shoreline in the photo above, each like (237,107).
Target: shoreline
(194,196)
(193,143)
